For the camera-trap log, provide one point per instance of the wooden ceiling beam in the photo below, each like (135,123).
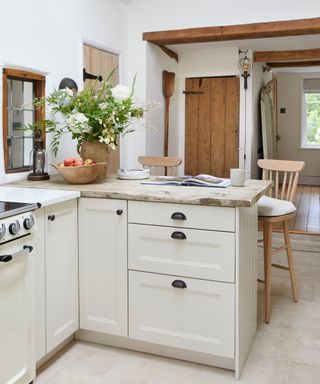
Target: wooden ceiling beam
(169,52)
(283,64)
(235,32)
(303,54)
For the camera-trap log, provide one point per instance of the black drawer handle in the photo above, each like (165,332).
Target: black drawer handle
(178,235)
(178,216)
(179,284)
(51,217)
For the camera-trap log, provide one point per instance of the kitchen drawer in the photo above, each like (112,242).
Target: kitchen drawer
(182,215)
(199,317)
(185,252)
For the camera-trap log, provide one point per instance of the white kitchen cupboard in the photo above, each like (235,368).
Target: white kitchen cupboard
(56,275)
(61,248)
(103,265)
(198,317)
(191,279)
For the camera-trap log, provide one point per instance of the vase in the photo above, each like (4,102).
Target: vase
(98,152)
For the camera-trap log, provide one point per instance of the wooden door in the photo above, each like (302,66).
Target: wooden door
(98,62)
(212,125)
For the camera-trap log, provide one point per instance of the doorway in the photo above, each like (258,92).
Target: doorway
(97,62)
(212,125)
(291,87)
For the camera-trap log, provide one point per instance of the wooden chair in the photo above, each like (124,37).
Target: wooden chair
(278,208)
(169,164)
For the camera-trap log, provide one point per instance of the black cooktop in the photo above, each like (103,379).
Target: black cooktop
(10,208)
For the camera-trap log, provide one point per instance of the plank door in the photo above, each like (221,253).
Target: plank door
(212,125)
(99,62)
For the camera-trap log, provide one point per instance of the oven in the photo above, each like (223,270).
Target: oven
(17,295)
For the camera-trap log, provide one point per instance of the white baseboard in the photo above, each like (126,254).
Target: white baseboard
(155,349)
(309,180)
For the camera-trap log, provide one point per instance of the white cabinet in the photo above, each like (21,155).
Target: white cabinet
(56,275)
(191,314)
(182,251)
(176,305)
(103,265)
(61,251)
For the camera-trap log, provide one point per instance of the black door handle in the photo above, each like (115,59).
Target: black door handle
(51,217)
(179,284)
(178,216)
(178,235)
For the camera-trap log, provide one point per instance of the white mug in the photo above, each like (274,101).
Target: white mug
(238,176)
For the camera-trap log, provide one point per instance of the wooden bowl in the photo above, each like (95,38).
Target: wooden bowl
(84,174)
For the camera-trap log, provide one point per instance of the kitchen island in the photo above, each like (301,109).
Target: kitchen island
(168,270)
(113,188)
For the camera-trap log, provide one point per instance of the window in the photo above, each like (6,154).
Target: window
(19,90)
(311,113)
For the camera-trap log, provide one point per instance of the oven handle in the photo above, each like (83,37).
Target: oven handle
(25,250)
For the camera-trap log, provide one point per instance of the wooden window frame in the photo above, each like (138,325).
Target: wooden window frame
(39,82)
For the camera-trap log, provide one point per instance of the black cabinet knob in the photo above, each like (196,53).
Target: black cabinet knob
(51,217)
(178,235)
(119,212)
(179,284)
(178,216)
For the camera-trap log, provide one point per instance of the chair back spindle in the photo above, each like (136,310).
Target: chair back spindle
(284,174)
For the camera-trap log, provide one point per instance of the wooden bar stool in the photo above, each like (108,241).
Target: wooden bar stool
(170,164)
(278,208)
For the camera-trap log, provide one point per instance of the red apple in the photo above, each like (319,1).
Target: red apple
(68,161)
(78,162)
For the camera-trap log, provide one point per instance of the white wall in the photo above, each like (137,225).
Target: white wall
(289,124)
(157,62)
(193,63)
(47,37)
(155,15)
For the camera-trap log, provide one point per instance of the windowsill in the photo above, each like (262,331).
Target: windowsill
(310,146)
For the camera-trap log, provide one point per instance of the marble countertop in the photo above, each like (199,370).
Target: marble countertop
(112,188)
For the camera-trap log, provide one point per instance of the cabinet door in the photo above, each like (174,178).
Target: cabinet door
(191,314)
(39,238)
(61,272)
(103,265)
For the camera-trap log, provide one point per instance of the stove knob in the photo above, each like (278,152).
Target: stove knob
(2,231)
(14,228)
(28,223)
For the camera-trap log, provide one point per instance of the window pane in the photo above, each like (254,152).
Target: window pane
(313,118)
(28,145)
(20,113)
(17,93)
(28,95)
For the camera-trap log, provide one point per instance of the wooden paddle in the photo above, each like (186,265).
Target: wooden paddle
(168,89)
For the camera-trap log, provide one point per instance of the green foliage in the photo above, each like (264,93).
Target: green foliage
(93,114)
(313,118)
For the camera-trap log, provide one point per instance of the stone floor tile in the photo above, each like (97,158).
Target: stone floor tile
(303,373)
(97,359)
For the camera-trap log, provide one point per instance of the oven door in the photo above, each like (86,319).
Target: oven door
(17,277)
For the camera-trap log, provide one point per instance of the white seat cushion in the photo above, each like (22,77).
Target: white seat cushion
(268,206)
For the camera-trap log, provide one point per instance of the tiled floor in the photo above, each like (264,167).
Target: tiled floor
(287,351)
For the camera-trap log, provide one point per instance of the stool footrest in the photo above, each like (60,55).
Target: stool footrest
(277,250)
(280,266)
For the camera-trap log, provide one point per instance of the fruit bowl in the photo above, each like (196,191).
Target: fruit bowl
(82,174)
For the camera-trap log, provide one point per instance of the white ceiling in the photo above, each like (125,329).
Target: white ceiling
(126,2)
